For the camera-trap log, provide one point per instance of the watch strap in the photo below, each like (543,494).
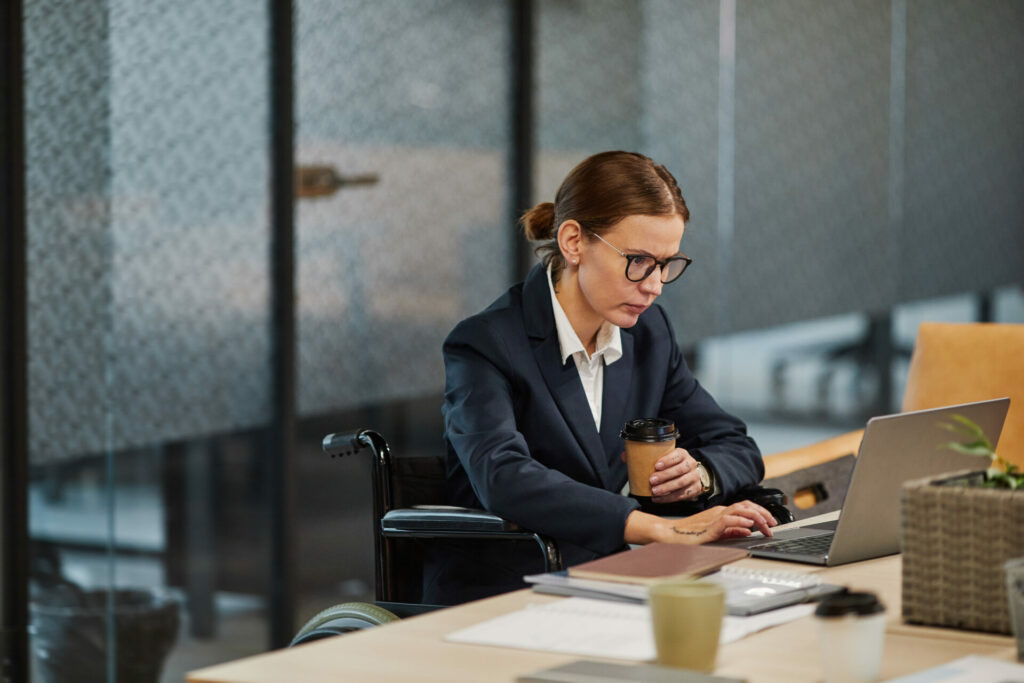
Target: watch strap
(705,478)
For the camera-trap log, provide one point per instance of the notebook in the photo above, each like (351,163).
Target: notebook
(656,562)
(895,449)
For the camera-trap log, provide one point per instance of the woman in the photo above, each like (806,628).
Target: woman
(539,385)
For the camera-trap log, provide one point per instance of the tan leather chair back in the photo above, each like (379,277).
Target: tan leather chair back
(964,362)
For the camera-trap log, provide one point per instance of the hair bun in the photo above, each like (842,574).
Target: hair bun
(539,222)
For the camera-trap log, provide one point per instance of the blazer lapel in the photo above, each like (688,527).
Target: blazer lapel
(564,383)
(615,399)
(563,380)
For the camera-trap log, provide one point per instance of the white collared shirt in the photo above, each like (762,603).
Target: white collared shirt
(591,368)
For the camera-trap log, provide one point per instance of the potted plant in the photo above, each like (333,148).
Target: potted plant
(958,530)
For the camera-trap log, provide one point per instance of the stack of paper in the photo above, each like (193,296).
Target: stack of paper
(747,591)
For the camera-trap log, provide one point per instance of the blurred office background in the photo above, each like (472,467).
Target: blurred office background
(852,169)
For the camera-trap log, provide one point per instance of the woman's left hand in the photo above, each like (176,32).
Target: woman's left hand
(675,478)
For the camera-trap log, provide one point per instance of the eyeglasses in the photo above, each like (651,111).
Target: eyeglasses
(640,266)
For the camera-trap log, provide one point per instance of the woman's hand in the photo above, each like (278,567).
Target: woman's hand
(675,478)
(722,521)
(733,521)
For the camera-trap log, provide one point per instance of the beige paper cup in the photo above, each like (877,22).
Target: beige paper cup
(687,620)
(647,439)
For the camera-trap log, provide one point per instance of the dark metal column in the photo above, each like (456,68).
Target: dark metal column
(13,357)
(882,355)
(281,451)
(521,155)
(199,456)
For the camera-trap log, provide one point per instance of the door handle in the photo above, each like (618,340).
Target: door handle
(323,181)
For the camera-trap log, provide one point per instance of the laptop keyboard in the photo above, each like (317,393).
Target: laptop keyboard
(808,545)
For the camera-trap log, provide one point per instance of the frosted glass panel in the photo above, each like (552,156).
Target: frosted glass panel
(148,230)
(416,94)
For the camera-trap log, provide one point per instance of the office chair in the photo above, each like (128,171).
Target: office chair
(405,513)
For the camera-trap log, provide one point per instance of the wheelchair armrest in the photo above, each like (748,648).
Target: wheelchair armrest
(444,521)
(445,518)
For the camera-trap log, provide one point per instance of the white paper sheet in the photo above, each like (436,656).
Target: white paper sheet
(599,628)
(971,669)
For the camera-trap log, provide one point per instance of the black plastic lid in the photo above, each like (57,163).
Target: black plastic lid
(650,429)
(840,604)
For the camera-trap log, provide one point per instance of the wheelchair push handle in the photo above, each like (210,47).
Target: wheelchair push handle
(340,444)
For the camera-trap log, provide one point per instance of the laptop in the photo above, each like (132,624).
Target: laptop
(895,449)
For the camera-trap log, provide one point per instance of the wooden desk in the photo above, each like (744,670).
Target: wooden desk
(414,649)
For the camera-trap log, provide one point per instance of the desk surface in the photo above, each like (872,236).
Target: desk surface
(414,650)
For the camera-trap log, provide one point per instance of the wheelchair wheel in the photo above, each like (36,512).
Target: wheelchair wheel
(340,619)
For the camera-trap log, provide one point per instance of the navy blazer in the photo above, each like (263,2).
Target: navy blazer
(522,444)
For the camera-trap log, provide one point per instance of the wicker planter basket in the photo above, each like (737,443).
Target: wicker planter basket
(955,540)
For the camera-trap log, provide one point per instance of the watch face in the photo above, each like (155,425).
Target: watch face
(705,477)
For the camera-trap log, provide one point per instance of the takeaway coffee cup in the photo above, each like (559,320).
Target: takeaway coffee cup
(687,619)
(647,439)
(851,631)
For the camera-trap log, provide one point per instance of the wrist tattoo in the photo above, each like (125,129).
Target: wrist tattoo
(689,533)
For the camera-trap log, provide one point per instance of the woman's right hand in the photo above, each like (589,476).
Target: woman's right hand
(732,521)
(722,521)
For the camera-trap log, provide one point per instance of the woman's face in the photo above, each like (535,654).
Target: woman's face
(602,270)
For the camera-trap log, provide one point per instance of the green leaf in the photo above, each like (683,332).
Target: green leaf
(969,449)
(971,426)
(957,429)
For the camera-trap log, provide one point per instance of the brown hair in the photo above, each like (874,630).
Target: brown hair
(601,191)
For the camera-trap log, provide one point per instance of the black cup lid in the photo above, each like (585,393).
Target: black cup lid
(840,604)
(651,429)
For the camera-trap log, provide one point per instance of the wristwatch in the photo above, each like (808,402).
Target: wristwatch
(705,478)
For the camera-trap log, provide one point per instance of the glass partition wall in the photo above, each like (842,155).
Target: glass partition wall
(149,334)
(406,107)
(838,198)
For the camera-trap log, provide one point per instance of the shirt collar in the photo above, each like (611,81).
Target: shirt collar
(609,337)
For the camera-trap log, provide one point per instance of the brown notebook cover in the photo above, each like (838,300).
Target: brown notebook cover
(656,562)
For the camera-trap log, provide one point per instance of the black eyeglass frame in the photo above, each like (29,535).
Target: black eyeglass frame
(630,258)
